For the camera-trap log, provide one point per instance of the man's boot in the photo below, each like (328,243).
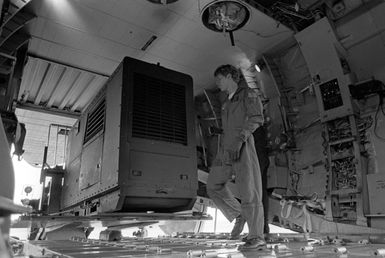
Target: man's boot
(253,244)
(238,227)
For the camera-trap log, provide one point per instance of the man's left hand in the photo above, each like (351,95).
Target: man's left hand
(235,150)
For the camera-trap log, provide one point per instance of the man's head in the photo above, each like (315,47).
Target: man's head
(227,77)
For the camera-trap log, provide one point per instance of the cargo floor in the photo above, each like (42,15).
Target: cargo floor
(196,246)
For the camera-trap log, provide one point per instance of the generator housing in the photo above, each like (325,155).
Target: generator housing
(134,149)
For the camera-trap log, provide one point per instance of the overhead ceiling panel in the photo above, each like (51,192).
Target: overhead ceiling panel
(58,88)
(96,35)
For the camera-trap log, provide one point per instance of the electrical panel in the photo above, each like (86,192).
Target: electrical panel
(343,143)
(343,131)
(331,95)
(134,147)
(333,99)
(328,69)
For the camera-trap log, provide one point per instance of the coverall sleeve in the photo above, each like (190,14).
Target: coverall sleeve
(254,114)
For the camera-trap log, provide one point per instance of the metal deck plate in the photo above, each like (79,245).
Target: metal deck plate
(204,246)
(138,216)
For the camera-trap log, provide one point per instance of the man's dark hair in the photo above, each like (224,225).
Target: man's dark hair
(224,70)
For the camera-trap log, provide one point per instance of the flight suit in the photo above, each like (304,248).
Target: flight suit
(241,115)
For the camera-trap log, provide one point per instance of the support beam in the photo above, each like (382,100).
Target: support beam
(53,111)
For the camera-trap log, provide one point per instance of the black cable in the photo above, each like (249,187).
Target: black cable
(380,106)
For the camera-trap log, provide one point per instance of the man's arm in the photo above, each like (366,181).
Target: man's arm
(254,119)
(254,114)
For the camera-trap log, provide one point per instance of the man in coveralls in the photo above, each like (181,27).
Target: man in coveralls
(242,114)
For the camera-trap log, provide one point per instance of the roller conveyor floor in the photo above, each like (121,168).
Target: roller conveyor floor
(204,246)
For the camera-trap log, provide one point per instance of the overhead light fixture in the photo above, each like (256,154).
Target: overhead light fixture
(259,65)
(164,2)
(225,15)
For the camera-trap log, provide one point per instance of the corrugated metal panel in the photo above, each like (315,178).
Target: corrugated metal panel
(38,126)
(53,86)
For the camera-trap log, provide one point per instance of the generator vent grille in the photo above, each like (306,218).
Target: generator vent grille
(159,110)
(95,120)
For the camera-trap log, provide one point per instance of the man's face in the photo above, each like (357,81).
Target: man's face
(223,82)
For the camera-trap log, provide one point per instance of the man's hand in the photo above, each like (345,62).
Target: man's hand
(213,130)
(234,150)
